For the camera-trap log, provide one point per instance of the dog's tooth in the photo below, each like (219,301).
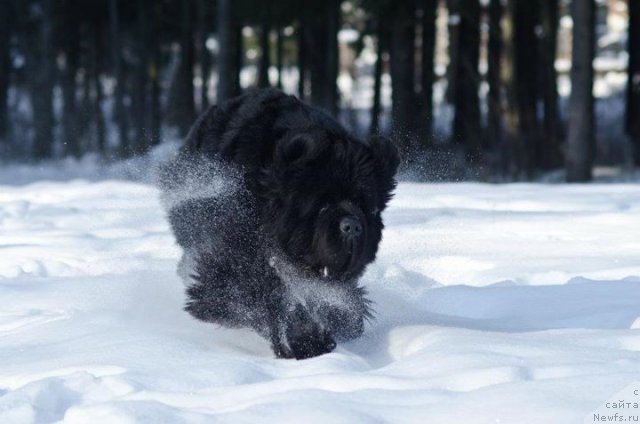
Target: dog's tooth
(272,262)
(325,272)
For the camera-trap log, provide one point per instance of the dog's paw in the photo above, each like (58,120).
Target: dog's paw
(345,324)
(300,337)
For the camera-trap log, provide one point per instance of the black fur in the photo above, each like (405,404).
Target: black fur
(257,197)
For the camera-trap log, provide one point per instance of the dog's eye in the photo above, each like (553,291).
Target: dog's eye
(323,209)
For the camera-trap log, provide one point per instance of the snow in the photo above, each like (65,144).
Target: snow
(513,303)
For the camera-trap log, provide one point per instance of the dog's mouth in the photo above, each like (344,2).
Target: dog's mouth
(339,264)
(325,272)
(336,252)
(337,267)
(305,270)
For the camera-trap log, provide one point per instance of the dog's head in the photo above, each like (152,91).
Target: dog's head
(323,197)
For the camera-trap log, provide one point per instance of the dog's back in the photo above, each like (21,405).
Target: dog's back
(244,130)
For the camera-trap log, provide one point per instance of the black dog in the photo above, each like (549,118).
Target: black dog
(278,209)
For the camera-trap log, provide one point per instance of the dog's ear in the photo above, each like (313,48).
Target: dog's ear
(295,150)
(386,155)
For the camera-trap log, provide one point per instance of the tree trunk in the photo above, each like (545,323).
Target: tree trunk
(265,59)
(316,48)
(116,63)
(71,48)
(238,59)
(549,154)
(466,123)
(633,81)
(42,69)
(153,70)
(303,59)
(185,107)
(454,8)
(203,53)
(228,41)
(512,137)
(85,103)
(580,140)
(402,77)
(332,65)
(376,109)
(5,67)
(139,101)
(96,69)
(429,10)
(494,98)
(526,85)
(279,55)
(320,44)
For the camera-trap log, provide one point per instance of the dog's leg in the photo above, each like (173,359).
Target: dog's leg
(225,292)
(294,330)
(309,315)
(345,320)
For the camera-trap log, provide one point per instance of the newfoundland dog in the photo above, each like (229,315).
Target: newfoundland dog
(277,208)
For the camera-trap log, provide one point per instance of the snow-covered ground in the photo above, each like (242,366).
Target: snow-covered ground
(495,304)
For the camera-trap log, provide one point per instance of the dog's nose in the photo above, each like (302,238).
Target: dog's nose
(350,226)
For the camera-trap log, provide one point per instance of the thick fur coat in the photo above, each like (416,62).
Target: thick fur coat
(278,210)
